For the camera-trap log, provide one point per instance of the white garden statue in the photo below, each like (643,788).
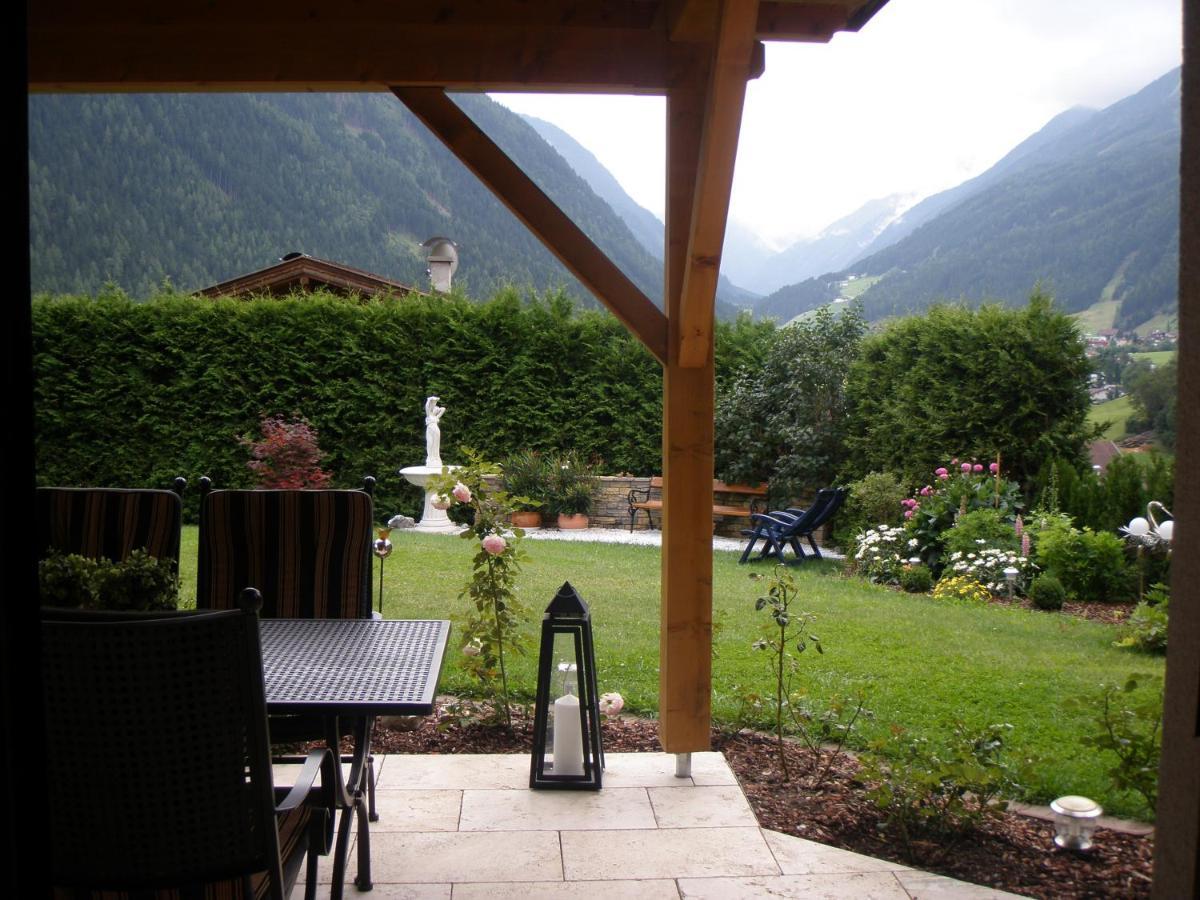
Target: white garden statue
(433,432)
(433,517)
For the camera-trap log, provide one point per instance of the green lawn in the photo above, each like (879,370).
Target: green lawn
(921,663)
(1155,357)
(1115,412)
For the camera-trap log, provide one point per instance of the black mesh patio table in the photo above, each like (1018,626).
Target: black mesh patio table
(353,667)
(352,670)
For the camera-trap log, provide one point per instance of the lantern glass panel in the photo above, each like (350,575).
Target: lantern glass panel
(564,732)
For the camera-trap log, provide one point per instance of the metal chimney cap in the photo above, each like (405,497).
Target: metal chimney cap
(441,249)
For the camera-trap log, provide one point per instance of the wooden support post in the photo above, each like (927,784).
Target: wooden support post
(685,678)
(1177,831)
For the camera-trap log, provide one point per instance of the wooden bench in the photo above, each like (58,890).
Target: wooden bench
(639,500)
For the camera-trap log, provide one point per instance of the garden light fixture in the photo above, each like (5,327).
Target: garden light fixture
(566,721)
(1074,821)
(1010,576)
(382,547)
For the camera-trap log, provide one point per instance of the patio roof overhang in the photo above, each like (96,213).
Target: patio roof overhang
(699,54)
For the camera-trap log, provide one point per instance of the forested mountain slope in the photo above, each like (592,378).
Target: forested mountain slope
(198,188)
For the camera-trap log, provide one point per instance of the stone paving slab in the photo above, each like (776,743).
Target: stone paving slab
(457,827)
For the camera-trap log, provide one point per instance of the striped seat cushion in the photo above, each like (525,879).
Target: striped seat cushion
(108,522)
(308,552)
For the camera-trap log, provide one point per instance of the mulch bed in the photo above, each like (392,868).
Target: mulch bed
(1013,853)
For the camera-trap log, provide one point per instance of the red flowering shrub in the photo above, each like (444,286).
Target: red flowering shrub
(287,456)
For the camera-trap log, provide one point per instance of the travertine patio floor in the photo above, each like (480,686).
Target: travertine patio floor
(459,826)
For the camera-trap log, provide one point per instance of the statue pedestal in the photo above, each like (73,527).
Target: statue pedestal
(432,519)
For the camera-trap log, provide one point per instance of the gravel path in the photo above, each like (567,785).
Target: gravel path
(645,538)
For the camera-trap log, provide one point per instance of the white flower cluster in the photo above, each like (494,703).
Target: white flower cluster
(987,567)
(881,552)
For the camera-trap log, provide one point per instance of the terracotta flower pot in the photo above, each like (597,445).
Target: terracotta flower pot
(577,520)
(527,519)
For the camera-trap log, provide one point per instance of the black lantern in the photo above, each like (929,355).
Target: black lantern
(566,724)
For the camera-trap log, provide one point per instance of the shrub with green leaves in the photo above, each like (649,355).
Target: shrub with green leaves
(1090,564)
(973,382)
(933,795)
(527,479)
(981,528)
(872,500)
(1147,626)
(1046,592)
(788,427)
(140,582)
(916,579)
(572,481)
(1128,724)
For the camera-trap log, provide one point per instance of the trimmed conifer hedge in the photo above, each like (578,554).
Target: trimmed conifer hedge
(133,394)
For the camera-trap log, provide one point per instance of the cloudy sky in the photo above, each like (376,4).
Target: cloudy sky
(928,94)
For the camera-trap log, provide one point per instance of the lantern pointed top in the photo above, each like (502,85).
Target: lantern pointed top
(567,604)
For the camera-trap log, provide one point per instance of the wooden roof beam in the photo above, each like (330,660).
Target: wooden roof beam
(541,215)
(733,58)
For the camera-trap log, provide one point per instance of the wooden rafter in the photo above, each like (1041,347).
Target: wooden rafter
(731,66)
(541,215)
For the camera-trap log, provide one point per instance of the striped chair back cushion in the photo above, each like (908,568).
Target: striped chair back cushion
(108,522)
(308,552)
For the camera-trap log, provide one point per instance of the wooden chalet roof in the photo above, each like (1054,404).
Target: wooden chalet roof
(301,272)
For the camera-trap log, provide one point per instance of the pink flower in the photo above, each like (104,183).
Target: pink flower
(1025,548)
(941,472)
(462,493)
(908,513)
(944,475)
(494,544)
(926,491)
(994,468)
(966,467)
(611,703)
(977,468)
(954,462)
(1019,526)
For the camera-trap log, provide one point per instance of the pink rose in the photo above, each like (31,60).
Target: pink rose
(611,703)
(926,491)
(494,544)
(966,467)
(940,472)
(977,468)
(462,493)
(954,462)
(944,475)
(908,513)
(994,468)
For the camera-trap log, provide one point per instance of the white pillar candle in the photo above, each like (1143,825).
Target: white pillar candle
(568,736)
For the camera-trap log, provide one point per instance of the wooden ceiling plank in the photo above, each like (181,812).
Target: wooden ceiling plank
(541,215)
(348,57)
(801,22)
(732,62)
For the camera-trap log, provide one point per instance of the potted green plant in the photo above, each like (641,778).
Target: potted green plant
(572,481)
(526,480)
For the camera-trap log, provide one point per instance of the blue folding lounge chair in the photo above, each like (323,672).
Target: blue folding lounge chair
(782,528)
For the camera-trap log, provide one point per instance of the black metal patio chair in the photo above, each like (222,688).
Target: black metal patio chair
(160,773)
